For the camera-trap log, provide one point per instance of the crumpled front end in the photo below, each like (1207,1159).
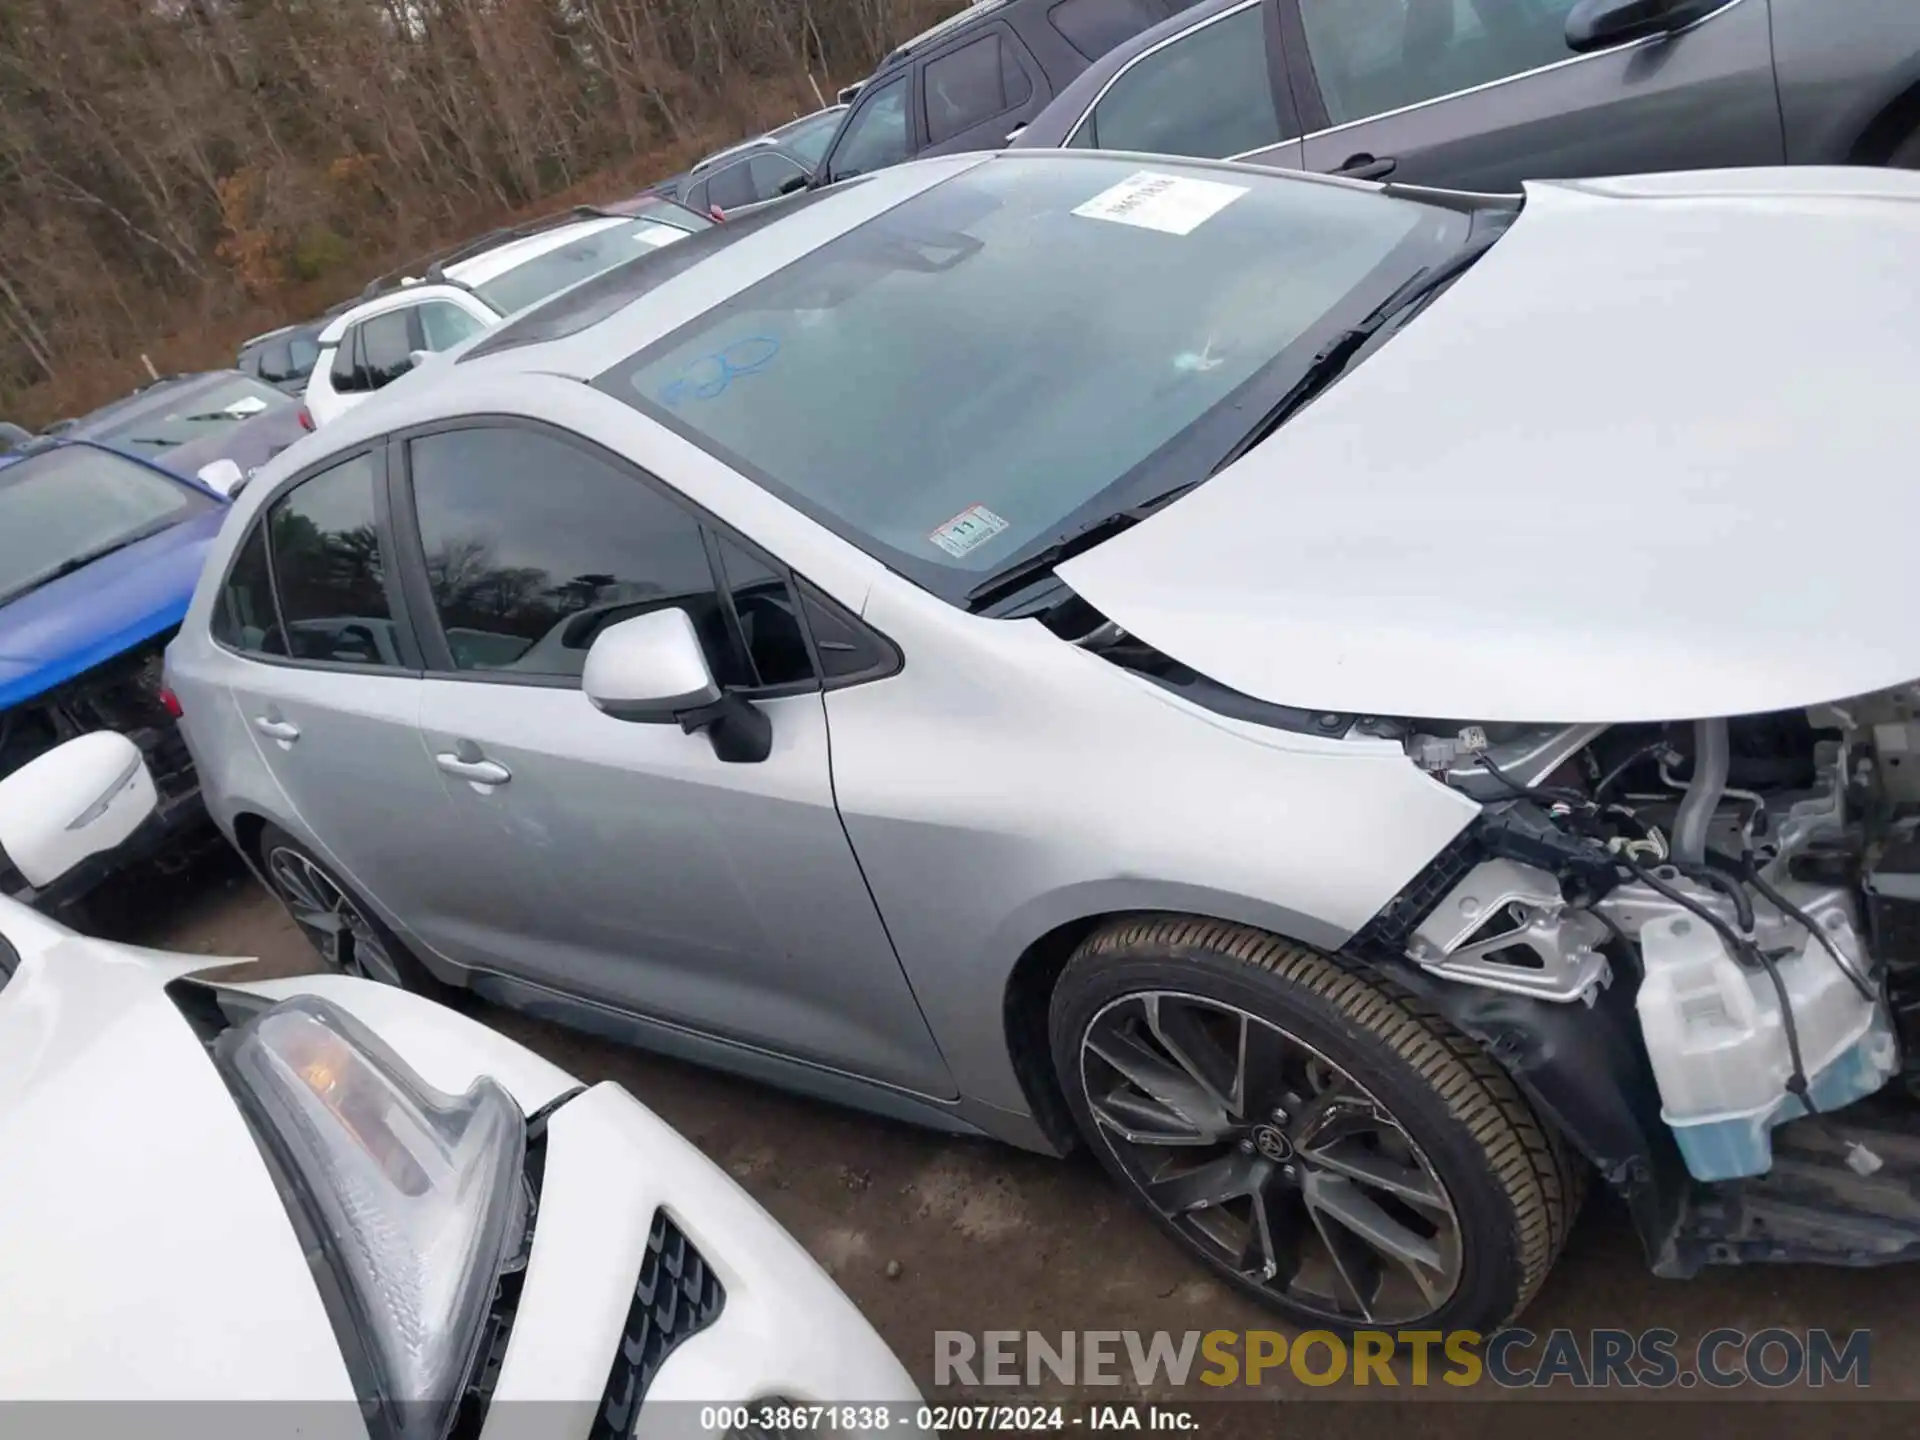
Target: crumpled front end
(1753,882)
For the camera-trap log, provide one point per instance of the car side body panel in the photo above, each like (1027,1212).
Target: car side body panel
(1849,78)
(1007,876)
(1699,99)
(1302,835)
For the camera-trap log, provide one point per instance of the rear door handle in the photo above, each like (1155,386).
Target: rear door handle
(480,772)
(274,728)
(1366,167)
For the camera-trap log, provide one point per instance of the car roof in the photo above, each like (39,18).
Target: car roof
(474,270)
(794,124)
(493,263)
(978,10)
(707,162)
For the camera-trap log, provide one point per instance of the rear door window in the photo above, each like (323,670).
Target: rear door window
(330,567)
(246,616)
(345,375)
(387,346)
(972,85)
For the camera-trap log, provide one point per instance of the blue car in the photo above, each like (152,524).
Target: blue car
(99,553)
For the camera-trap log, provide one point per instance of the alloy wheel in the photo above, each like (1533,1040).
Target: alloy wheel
(344,936)
(1270,1159)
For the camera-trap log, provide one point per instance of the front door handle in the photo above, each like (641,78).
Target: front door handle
(1367,167)
(274,728)
(480,772)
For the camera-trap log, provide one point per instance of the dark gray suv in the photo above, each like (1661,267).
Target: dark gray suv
(1483,94)
(977,77)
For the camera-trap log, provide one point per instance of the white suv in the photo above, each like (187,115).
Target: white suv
(473,289)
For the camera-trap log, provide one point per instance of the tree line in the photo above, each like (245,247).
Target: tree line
(175,173)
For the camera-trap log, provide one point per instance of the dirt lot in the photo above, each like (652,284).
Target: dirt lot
(988,1238)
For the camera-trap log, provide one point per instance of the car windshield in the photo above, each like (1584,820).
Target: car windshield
(182,416)
(806,138)
(63,509)
(581,258)
(1028,346)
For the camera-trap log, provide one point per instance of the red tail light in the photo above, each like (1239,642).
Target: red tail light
(306,418)
(170,702)
(717,213)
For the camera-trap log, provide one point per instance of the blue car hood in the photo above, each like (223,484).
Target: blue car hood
(70,625)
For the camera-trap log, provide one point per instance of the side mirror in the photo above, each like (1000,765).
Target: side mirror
(225,476)
(651,670)
(417,358)
(78,800)
(1014,133)
(793,185)
(1600,24)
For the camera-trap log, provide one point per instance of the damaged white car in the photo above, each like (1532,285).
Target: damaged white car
(381,1217)
(1227,668)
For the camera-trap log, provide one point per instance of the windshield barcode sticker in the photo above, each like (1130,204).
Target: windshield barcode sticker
(1172,204)
(972,527)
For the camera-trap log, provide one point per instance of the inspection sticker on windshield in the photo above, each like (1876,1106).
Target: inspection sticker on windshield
(1172,204)
(972,527)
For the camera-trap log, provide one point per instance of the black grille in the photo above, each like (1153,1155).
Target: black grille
(676,1298)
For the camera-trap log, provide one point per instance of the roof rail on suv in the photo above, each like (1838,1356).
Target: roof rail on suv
(978,10)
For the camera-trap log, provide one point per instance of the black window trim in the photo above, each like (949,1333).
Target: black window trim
(1038,86)
(405,637)
(410,562)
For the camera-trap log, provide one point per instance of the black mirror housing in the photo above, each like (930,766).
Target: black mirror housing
(738,730)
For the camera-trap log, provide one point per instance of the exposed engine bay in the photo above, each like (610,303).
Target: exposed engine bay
(1757,880)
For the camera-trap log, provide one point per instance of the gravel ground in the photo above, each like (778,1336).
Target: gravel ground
(929,1232)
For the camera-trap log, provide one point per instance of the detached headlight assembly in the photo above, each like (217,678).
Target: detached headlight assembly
(417,1198)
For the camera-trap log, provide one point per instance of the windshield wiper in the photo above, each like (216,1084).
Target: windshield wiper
(1022,573)
(84,559)
(1333,358)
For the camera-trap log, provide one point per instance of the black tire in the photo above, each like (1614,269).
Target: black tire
(342,927)
(1434,1110)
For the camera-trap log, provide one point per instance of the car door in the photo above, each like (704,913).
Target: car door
(326,679)
(1484,94)
(976,90)
(1216,90)
(619,862)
